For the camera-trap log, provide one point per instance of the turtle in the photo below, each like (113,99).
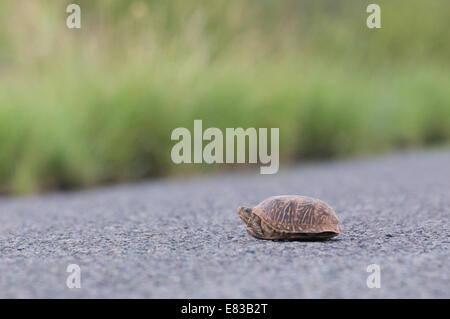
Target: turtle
(291,217)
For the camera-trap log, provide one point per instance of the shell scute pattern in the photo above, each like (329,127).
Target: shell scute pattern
(296,214)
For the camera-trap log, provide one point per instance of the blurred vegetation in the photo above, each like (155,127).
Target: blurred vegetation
(98,104)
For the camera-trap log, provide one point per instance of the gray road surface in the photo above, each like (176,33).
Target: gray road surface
(183,238)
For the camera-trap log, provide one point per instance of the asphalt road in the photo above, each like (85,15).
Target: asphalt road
(183,238)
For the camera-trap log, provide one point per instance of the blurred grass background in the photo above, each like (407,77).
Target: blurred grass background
(98,104)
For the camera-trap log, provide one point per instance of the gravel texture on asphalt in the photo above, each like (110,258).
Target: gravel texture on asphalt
(183,238)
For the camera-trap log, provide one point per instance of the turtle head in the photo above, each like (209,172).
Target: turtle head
(244,213)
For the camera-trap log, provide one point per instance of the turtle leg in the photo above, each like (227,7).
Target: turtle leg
(254,227)
(269,233)
(259,229)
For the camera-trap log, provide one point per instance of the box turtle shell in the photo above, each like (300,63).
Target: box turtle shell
(291,217)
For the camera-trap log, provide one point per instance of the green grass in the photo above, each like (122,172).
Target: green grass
(97,105)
